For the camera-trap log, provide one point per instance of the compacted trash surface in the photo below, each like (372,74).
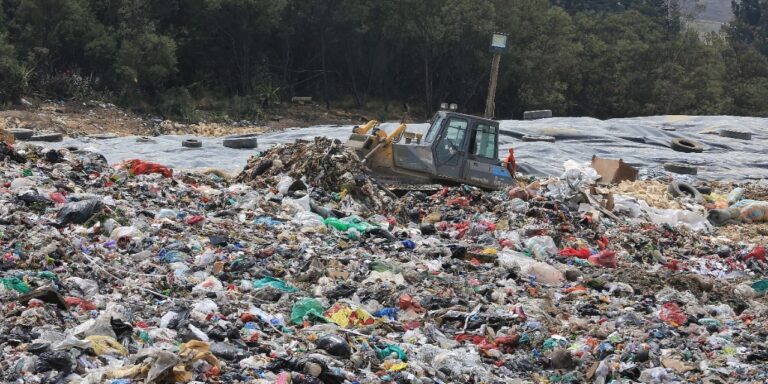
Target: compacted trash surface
(302,269)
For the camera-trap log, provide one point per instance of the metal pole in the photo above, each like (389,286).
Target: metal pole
(490,105)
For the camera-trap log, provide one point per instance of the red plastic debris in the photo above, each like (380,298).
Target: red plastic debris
(460,201)
(606,259)
(406,302)
(192,220)
(671,314)
(84,305)
(57,197)
(758,254)
(581,253)
(141,167)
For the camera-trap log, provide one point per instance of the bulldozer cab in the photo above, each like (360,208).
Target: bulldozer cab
(465,149)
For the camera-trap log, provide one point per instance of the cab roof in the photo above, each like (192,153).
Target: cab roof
(469,117)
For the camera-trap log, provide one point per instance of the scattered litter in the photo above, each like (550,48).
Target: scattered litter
(303,269)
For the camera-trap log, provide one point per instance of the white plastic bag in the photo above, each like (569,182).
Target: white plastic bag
(285,184)
(308,220)
(543,272)
(294,206)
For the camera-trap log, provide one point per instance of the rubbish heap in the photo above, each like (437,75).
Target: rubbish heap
(304,270)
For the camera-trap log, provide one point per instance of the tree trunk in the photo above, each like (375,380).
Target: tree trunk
(350,67)
(325,73)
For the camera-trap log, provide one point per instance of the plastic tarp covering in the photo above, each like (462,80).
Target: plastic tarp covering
(642,142)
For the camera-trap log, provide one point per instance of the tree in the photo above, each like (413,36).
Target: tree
(750,24)
(747,66)
(690,79)
(54,33)
(145,59)
(537,72)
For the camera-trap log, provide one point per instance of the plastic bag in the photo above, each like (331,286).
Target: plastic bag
(676,217)
(671,314)
(296,205)
(541,246)
(106,345)
(269,281)
(606,258)
(346,316)
(162,362)
(285,184)
(141,167)
(79,212)
(206,306)
(123,232)
(211,284)
(88,287)
(627,205)
(391,350)
(347,223)
(307,308)
(308,219)
(334,345)
(760,286)
(16,284)
(581,253)
(543,272)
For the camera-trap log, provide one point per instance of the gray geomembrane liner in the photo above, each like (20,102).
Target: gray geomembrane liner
(642,142)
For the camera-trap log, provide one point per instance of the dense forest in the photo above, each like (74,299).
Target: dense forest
(602,58)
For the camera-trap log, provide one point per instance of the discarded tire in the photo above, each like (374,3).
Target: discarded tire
(687,146)
(21,133)
(247,141)
(681,169)
(535,115)
(47,137)
(677,189)
(191,143)
(548,139)
(734,134)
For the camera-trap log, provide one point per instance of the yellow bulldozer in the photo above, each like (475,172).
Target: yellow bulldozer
(455,149)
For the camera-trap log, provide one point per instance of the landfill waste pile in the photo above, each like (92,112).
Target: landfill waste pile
(303,270)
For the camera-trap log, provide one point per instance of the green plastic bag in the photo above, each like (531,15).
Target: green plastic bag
(16,284)
(390,349)
(270,281)
(348,222)
(760,286)
(307,307)
(48,275)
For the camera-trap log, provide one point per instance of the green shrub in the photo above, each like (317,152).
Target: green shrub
(176,103)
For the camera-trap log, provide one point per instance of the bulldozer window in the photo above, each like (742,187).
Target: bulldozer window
(452,142)
(484,141)
(433,130)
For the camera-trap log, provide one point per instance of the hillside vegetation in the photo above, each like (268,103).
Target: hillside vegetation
(602,58)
